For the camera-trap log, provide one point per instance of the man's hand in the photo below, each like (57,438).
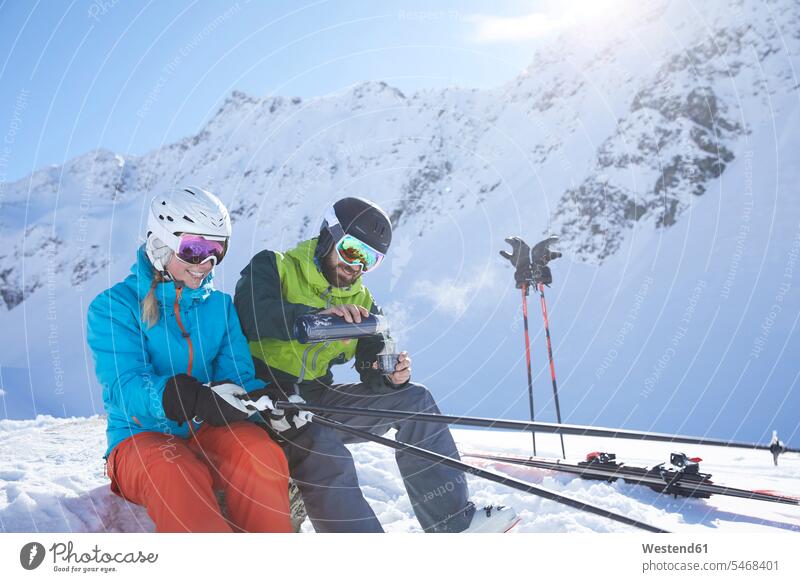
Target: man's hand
(350,313)
(402,370)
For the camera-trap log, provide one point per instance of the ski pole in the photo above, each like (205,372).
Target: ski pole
(552,365)
(541,255)
(521,425)
(528,359)
(520,257)
(485,474)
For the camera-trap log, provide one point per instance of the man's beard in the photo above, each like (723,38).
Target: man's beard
(330,269)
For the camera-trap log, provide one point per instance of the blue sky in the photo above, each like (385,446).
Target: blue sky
(131,76)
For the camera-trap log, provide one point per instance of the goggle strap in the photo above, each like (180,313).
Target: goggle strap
(334,228)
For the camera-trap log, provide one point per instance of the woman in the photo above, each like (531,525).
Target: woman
(172,359)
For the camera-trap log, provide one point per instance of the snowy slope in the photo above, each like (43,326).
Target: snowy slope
(659,143)
(55,483)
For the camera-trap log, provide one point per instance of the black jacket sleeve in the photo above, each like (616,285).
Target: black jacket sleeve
(367,351)
(263,312)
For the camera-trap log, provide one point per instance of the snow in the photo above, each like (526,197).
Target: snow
(51,480)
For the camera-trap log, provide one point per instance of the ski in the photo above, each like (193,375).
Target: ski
(682,478)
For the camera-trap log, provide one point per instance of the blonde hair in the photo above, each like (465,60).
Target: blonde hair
(150,311)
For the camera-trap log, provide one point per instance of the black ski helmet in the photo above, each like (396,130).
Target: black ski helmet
(360,218)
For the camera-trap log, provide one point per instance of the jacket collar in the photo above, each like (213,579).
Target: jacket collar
(166,292)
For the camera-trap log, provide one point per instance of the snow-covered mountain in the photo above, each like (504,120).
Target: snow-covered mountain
(659,143)
(55,483)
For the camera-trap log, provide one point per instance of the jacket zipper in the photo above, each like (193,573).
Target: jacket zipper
(177,310)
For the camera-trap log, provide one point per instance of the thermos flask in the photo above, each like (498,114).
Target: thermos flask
(315,328)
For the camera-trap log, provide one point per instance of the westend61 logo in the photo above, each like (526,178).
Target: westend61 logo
(66,559)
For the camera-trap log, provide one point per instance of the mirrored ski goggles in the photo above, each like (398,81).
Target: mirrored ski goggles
(195,249)
(355,252)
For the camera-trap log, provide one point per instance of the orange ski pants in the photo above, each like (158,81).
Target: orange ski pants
(175,479)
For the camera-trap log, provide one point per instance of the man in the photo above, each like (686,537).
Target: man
(324,275)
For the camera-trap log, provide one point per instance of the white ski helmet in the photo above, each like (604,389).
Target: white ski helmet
(184,210)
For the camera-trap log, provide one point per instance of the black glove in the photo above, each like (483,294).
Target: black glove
(186,398)
(540,256)
(520,257)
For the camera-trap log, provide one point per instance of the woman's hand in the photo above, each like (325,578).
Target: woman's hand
(185,398)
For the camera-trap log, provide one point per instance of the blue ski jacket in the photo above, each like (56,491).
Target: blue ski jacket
(197,333)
